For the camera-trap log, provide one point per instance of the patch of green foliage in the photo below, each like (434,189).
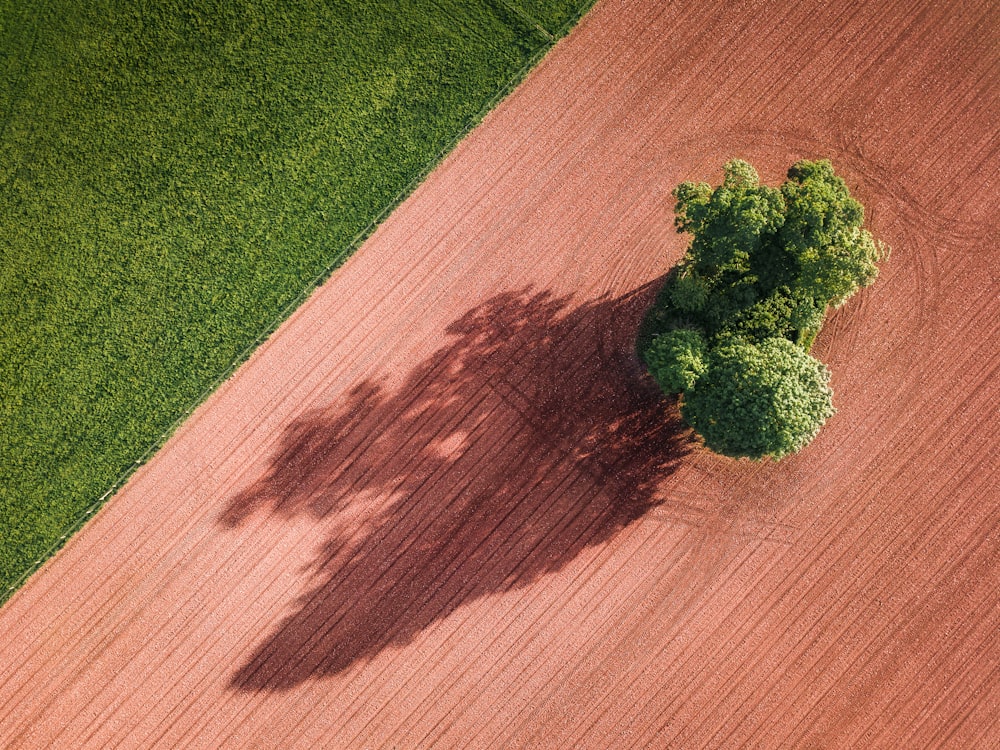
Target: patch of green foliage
(731,330)
(676,359)
(555,16)
(774,386)
(174,175)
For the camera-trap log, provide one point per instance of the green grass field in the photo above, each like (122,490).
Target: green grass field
(173,178)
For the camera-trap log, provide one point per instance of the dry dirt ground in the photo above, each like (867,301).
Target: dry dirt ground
(442,507)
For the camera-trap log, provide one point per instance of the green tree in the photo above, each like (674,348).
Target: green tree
(730,222)
(689,292)
(732,328)
(757,400)
(676,359)
(822,233)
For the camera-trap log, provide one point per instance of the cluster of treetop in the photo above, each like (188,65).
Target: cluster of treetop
(730,332)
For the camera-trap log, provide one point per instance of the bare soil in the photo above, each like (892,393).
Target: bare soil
(442,506)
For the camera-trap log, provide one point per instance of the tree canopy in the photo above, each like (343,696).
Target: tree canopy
(731,330)
(756,400)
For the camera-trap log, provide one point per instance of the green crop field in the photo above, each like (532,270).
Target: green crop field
(174,177)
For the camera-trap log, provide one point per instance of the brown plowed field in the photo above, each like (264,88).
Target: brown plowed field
(442,507)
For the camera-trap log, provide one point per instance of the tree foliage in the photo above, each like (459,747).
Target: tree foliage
(676,359)
(728,223)
(733,326)
(756,400)
(822,233)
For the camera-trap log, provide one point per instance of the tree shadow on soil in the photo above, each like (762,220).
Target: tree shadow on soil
(530,436)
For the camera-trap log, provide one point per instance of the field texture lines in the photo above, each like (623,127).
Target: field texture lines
(443,507)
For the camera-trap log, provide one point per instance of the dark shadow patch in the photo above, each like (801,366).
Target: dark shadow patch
(530,436)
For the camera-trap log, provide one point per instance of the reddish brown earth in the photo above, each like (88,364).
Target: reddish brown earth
(442,507)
